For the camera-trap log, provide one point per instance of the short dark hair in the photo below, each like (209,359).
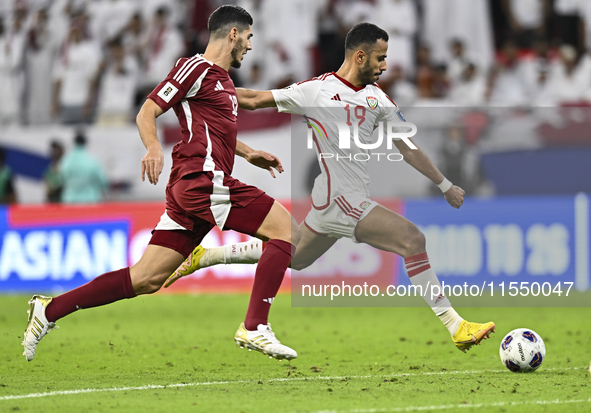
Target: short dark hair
(227,16)
(80,139)
(364,34)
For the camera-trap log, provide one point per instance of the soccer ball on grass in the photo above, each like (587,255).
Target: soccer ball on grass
(522,350)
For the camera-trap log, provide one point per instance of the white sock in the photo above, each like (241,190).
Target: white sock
(421,274)
(248,252)
(451,320)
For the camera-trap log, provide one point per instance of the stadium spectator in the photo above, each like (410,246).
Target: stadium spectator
(162,48)
(290,41)
(197,33)
(110,18)
(458,61)
(508,80)
(425,73)
(118,75)
(352,12)
(83,176)
(400,88)
(542,94)
(566,85)
(330,39)
(468,20)
(252,71)
(40,54)
(470,89)
(399,20)
(12,44)
(51,176)
(440,86)
(542,60)
(528,19)
(7,189)
(75,69)
(133,37)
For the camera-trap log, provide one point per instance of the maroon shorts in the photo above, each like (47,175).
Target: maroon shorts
(200,201)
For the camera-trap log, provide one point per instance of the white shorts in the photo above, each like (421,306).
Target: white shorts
(340,218)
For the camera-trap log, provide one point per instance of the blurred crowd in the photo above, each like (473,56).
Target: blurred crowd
(82,61)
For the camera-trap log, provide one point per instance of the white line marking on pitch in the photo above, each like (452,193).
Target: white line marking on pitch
(456,406)
(214,383)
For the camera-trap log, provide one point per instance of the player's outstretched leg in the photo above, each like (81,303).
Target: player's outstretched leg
(248,252)
(388,231)
(38,325)
(104,289)
(464,334)
(145,277)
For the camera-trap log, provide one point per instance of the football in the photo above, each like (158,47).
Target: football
(522,350)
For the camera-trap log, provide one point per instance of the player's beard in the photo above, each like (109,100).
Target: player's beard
(237,54)
(367,74)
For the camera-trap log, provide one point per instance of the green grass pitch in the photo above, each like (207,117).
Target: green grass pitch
(175,353)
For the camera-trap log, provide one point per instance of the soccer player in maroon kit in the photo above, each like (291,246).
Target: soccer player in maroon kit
(200,194)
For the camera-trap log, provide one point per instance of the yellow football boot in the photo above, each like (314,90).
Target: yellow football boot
(189,266)
(470,334)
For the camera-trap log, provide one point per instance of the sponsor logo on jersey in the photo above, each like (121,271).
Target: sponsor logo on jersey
(364,205)
(336,97)
(167,92)
(219,86)
(372,102)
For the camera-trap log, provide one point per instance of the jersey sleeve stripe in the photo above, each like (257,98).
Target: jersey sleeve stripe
(182,69)
(190,71)
(188,67)
(197,85)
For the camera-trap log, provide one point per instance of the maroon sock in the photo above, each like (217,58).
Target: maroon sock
(104,289)
(267,280)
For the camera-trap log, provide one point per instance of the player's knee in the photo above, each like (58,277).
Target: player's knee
(147,283)
(414,241)
(146,286)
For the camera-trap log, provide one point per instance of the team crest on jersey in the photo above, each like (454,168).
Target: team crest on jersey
(372,102)
(364,205)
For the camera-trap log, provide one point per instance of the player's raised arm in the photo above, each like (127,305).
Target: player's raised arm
(153,161)
(261,159)
(416,158)
(250,99)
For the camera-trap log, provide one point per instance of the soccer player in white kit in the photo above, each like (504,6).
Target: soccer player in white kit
(341,206)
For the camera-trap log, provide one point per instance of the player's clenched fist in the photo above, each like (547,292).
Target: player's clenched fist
(152,164)
(455,196)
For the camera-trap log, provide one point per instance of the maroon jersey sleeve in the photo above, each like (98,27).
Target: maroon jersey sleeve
(183,81)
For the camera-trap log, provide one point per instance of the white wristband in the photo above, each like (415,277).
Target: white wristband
(445,185)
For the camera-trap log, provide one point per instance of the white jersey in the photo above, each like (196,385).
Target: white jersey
(330,97)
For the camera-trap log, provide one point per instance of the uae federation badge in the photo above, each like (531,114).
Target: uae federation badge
(372,102)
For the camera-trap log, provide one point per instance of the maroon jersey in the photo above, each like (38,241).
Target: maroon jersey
(204,99)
